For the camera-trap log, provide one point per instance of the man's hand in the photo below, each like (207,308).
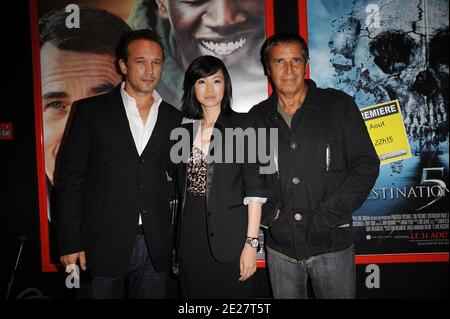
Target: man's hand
(71,259)
(277,215)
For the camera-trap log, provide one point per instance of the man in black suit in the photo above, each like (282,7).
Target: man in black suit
(113,193)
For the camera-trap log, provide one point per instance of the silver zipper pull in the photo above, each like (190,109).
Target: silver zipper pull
(328,158)
(275,159)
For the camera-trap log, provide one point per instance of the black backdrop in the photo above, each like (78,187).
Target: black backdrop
(19,216)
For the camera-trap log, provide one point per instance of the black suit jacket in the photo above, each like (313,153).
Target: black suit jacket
(104,185)
(227,186)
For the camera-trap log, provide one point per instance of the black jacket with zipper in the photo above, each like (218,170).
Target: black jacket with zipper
(327,166)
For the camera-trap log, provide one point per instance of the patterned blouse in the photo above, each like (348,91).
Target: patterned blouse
(196,172)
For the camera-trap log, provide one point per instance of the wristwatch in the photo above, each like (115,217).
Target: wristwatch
(252,241)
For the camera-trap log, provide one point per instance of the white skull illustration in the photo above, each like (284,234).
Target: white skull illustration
(397,50)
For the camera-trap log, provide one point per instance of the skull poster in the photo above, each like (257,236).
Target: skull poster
(380,51)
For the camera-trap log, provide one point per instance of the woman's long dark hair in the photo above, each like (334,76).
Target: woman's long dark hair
(203,67)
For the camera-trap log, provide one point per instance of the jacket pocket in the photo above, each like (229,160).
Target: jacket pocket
(237,210)
(317,236)
(233,207)
(280,231)
(330,154)
(341,236)
(97,222)
(317,239)
(99,216)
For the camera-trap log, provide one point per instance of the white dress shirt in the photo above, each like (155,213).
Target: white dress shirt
(141,131)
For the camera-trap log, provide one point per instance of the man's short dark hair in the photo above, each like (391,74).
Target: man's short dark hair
(282,38)
(98,33)
(127,38)
(203,67)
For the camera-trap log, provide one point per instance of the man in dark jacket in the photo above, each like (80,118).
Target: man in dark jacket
(326,167)
(113,195)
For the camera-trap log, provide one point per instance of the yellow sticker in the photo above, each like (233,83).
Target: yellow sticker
(387,131)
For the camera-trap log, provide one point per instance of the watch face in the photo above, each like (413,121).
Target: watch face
(254,242)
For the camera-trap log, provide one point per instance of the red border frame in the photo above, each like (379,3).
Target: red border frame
(303,24)
(47,265)
(401,258)
(270,25)
(270,30)
(42,185)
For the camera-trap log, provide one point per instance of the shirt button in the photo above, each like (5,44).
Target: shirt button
(298,217)
(296,180)
(294,145)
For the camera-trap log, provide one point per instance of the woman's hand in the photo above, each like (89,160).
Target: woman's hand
(247,262)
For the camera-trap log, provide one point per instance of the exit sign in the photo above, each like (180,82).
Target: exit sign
(6,131)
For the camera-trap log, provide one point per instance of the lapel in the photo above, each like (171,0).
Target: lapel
(183,163)
(120,118)
(221,123)
(272,114)
(192,129)
(271,106)
(158,130)
(209,177)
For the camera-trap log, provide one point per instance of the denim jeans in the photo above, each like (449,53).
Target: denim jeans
(332,275)
(140,281)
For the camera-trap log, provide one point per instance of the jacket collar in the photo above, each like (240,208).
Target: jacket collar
(120,117)
(224,120)
(312,100)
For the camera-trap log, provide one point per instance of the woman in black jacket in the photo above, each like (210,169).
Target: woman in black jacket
(221,199)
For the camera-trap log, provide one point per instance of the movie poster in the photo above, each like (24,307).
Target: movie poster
(382,51)
(74,57)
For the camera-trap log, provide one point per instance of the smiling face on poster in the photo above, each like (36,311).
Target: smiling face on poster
(228,29)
